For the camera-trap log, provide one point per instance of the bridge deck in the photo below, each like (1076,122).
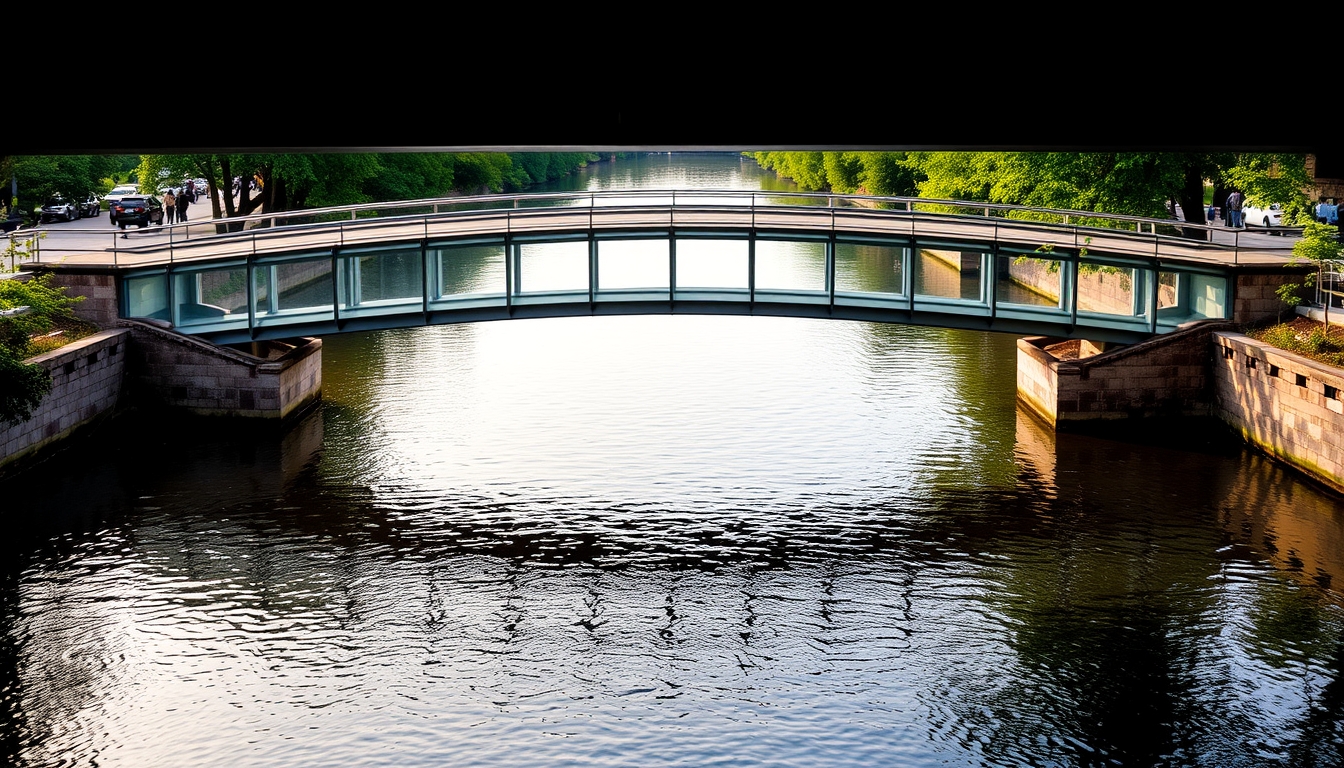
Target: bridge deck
(333,270)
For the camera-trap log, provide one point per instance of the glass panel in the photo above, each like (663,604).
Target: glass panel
(394,276)
(632,264)
(553,267)
(949,274)
(1183,296)
(868,268)
(147,296)
(298,286)
(1110,290)
(712,264)
(1168,285)
(470,270)
(209,295)
(1028,280)
(783,265)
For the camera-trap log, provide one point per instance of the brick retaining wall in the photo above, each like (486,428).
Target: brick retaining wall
(1168,374)
(178,371)
(86,379)
(1287,405)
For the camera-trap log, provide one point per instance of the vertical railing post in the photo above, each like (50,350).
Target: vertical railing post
(672,267)
(250,271)
(830,271)
(335,288)
(990,280)
(592,269)
(751,267)
(1154,287)
(510,272)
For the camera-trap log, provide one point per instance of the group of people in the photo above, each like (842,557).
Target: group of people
(175,205)
(1231,210)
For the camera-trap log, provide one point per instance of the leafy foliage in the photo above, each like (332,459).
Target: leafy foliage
(1320,246)
(1132,183)
(40,177)
(22,386)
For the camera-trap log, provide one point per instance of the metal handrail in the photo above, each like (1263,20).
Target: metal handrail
(518,207)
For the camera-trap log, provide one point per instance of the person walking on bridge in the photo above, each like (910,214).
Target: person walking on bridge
(169,205)
(182,202)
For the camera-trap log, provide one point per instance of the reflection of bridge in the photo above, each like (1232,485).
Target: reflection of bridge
(965,265)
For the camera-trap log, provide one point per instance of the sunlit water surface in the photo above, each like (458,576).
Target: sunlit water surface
(640,541)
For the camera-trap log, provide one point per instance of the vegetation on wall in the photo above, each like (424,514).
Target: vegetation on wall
(28,309)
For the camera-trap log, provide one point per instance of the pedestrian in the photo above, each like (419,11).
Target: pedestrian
(169,203)
(191,189)
(182,202)
(1234,201)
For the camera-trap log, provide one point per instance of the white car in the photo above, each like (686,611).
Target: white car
(114,197)
(1251,216)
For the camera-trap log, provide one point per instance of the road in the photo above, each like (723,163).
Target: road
(100,234)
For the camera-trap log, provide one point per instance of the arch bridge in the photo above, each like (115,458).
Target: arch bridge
(895,260)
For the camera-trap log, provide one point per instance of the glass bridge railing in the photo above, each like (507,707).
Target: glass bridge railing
(969,283)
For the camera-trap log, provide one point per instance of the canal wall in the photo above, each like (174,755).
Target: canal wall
(86,385)
(173,370)
(1067,384)
(99,289)
(1286,405)
(149,365)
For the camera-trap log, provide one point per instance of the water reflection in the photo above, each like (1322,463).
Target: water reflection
(662,540)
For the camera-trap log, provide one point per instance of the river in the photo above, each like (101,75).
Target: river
(658,540)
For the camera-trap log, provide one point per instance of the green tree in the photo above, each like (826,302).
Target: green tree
(27,308)
(1321,248)
(1266,178)
(40,177)
(869,173)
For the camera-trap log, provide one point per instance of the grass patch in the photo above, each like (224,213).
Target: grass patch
(63,331)
(1308,338)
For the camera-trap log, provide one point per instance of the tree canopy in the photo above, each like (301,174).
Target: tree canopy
(1133,183)
(40,177)
(288,182)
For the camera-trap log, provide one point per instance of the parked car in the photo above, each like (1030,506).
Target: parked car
(114,197)
(91,207)
(1251,216)
(58,207)
(140,210)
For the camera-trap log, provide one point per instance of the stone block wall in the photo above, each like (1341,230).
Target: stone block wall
(1287,405)
(100,305)
(1255,298)
(1168,374)
(169,369)
(86,378)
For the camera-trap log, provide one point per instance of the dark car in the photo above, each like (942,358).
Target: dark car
(58,207)
(140,210)
(91,207)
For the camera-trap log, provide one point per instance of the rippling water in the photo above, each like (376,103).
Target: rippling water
(663,540)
